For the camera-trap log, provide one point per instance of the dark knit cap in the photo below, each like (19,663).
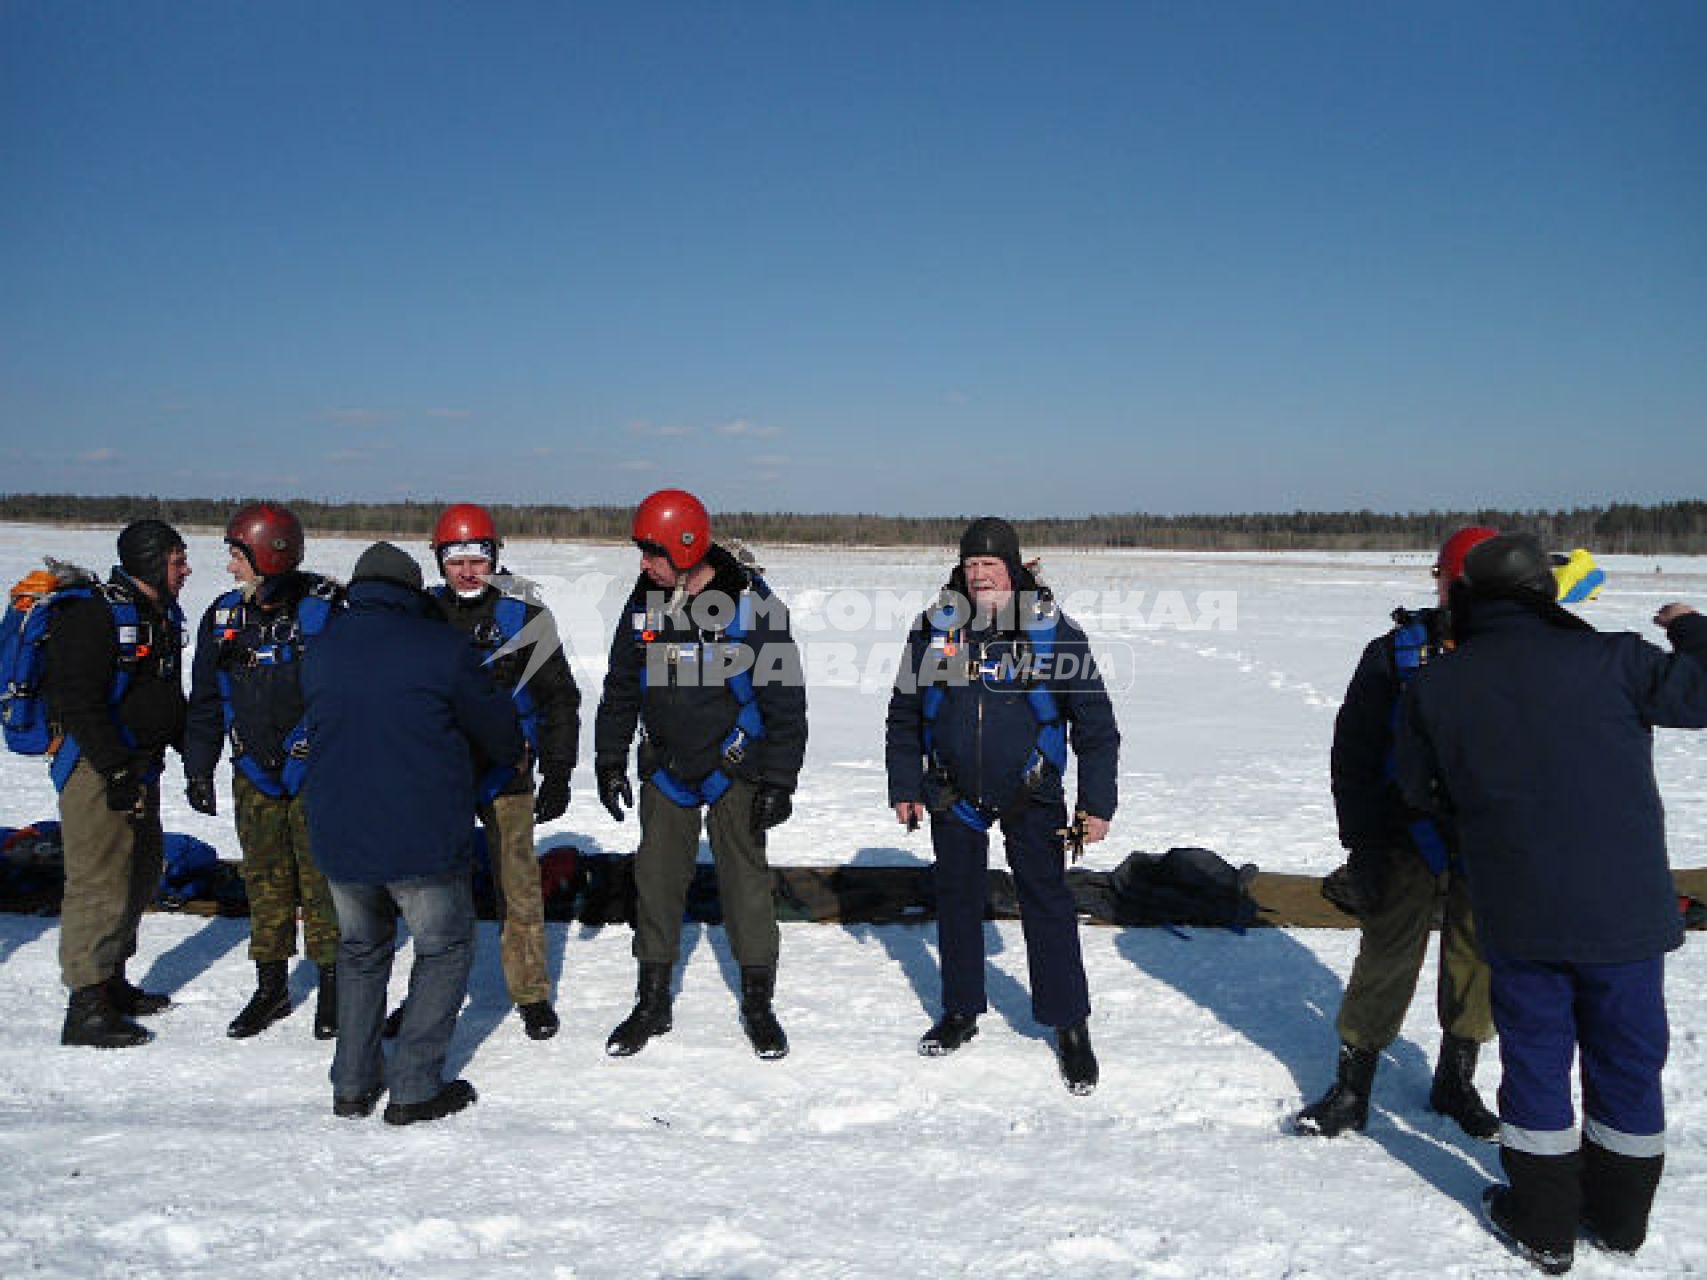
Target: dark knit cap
(990,536)
(144,548)
(1511,566)
(387,563)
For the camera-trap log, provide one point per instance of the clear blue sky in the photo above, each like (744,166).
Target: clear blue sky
(930,257)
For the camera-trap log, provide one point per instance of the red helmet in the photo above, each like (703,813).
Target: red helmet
(675,522)
(465,523)
(270,536)
(1449,564)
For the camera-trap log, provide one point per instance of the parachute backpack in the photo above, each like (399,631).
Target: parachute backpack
(23,657)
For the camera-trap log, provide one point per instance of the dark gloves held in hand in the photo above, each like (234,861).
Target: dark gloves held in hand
(200,793)
(552,799)
(771,806)
(614,792)
(124,790)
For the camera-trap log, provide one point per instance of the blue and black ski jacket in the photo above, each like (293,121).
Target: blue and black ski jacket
(245,682)
(713,703)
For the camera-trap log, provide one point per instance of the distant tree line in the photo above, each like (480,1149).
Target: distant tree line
(1670,527)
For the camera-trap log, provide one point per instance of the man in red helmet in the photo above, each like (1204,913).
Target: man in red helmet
(1402,873)
(246,686)
(703,663)
(516,637)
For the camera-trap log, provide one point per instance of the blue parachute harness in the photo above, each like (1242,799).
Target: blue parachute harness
(1051,746)
(284,638)
(1412,646)
(509,616)
(749,721)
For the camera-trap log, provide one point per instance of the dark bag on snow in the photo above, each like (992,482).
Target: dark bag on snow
(1182,886)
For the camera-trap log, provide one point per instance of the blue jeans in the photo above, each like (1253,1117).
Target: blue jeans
(439,911)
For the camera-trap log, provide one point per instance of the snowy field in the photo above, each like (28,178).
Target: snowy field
(202,1156)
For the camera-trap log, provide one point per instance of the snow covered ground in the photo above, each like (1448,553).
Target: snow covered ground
(202,1156)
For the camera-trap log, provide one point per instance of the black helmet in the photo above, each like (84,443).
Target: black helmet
(1511,566)
(144,548)
(990,536)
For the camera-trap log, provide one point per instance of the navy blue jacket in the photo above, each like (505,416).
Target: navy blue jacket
(1372,815)
(396,698)
(1536,742)
(985,732)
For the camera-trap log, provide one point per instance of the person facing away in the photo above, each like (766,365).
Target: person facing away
(1533,741)
(993,681)
(245,685)
(515,635)
(703,664)
(1404,873)
(398,710)
(115,693)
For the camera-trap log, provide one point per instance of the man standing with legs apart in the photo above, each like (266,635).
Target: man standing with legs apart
(516,638)
(116,694)
(246,684)
(1401,873)
(704,663)
(398,709)
(993,678)
(1534,740)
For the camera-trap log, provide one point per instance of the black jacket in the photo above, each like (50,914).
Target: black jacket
(1371,811)
(266,697)
(687,719)
(82,657)
(985,734)
(1536,742)
(556,697)
(397,707)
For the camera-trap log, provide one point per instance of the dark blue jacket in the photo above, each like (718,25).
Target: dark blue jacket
(395,698)
(1536,742)
(1371,813)
(985,732)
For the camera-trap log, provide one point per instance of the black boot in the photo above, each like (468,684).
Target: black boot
(270,1002)
(758,1020)
(948,1033)
(1346,1104)
(539,1019)
(1078,1064)
(91,1019)
(1537,1215)
(651,1016)
(1618,1192)
(133,1001)
(326,1004)
(1454,1093)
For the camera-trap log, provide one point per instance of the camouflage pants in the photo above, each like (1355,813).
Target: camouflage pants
(1391,953)
(521,903)
(279,875)
(112,872)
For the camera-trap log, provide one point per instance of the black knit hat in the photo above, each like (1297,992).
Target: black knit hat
(384,562)
(1511,566)
(144,548)
(990,536)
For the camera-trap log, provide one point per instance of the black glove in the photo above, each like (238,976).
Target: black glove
(614,791)
(124,790)
(199,792)
(552,799)
(1368,867)
(771,806)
